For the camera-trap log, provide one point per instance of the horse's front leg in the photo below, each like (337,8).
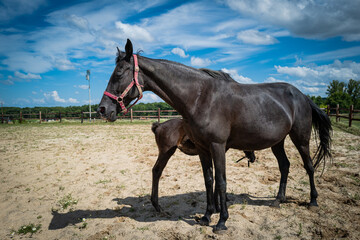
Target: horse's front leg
(207,168)
(218,155)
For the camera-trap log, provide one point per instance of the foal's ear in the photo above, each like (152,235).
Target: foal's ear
(128,50)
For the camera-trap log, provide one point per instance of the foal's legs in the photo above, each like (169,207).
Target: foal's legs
(284,165)
(207,168)
(302,145)
(218,155)
(157,170)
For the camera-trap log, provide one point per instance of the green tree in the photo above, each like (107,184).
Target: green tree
(353,89)
(337,94)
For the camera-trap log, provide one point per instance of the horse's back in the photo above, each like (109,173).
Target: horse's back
(264,114)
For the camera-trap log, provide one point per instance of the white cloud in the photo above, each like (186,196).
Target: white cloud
(53,95)
(309,19)
(7,82)
(255,37)
(151,97)
(78,22)
(200,62)
(10,9)
(83,86)
(273,80)
(239,78)
(133,32)
(338,70)
(335,54)
(297,71)
(73,100)
(39,100)
(180,52)
(27,76)
(63,64)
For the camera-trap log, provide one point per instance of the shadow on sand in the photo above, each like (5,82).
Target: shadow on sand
(183,207)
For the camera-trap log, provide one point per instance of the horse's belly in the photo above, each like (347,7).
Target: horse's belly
(250,139)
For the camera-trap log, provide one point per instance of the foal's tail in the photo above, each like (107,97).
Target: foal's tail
(322,125)
(154,126)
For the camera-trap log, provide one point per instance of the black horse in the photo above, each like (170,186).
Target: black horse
(219,113)
(169,136)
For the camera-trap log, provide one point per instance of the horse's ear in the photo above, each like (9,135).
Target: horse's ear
(128,50)
(119,52)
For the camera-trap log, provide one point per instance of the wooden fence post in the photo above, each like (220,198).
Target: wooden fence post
(82,116)
(328,110)
(40,117)
(158,114)
(351,114)
(337,113)
(131,115)
(20,120)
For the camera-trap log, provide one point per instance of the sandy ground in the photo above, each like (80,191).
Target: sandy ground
(104,173)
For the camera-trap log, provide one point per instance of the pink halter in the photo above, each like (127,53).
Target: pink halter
(135,81)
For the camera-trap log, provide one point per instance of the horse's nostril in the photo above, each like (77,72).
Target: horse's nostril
(102,110)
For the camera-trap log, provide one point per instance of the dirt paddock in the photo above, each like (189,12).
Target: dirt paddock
(94,182)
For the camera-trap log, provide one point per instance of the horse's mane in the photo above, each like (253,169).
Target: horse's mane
(217,74)
(118,57)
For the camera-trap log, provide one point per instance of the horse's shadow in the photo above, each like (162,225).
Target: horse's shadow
(186,207)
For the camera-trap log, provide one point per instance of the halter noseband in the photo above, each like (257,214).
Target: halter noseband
(134,81)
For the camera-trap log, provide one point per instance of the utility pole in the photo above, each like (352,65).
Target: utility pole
(88,78)
(2,113)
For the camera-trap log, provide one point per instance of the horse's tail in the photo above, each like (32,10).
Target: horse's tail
(322,125)
(155,126)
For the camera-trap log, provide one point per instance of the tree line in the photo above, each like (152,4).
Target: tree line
(342,93)
(84,108)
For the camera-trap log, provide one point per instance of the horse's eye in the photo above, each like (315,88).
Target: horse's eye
(118,73)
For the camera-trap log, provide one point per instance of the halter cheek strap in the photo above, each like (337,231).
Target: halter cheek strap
(134,81)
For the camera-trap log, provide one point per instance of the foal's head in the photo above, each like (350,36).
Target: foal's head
(120,91)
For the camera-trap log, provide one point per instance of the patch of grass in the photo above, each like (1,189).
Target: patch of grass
(354,148)
(243,206)
(67,201)
(278,237)
(143,229)
(300,230)
(303,182)
(25,229)
(355,178)
(103,181)
(356,197)
(344,126)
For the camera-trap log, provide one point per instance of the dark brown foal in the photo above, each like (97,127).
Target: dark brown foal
(169,136)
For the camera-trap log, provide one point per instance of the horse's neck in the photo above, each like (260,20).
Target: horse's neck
(176,84)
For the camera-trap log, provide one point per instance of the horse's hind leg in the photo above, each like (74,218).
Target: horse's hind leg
(284,165)
(302,145)
(157,170)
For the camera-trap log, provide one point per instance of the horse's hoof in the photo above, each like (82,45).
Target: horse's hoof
(204,221)
(158,208)
(275,204)
(220,229)
(313,207)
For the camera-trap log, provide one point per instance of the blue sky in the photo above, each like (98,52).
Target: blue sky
(47,46)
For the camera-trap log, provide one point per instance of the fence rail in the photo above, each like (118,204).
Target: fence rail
(59,116)
(349,113)
(154,114)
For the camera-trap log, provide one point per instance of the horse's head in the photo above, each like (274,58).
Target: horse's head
(123,86)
